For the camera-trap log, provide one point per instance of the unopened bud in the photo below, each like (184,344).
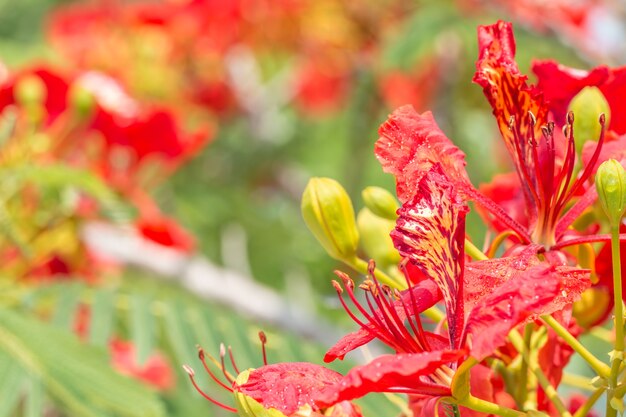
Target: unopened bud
(81,101)
(587,106)
(30,91)
(328,212)
(592,307)
(380,202)
(611,187)
(375,239)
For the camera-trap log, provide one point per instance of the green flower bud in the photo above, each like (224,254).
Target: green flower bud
(248,406)
(81,101)
(328,212)
(587,106)
(380,202)
(30,91)
(611,187)
(375,239)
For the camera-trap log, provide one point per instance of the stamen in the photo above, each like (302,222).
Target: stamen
(223,366)
(263,340)
(191,374)
(232,360)
(201,355)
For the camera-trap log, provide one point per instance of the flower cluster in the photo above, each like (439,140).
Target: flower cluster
(514,310)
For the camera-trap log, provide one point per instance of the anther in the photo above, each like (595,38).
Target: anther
(602,119)
(189,370)
(371,267)
(570,117)
(263,340)
(533,119)
(337,287)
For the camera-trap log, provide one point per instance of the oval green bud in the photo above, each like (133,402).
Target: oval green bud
(30,91)
(587,106)
(380,202)
(248,406)
(375,239)
(81,101)
(611,188)
(327,211)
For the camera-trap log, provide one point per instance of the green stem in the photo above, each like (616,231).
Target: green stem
(584,410)
(596,364)
(523,382)
(518,342)
(618,352)
(577,381)
(487,407)
(363,267)
(474,252)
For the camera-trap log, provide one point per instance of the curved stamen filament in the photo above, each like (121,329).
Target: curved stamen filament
(232,360)
(201,355)
(263,340)
(191,374)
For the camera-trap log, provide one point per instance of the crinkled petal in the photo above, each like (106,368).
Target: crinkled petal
(542,289)
(289,385)
(410,144)
(430,231)
(483,277)
(510,97)
(391,373)
(559,84)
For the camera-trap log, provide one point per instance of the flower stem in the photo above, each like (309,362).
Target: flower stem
(474,252)
(519,344)
(618,352)
(487,407)
(584,410)
(362,266)
(596,364)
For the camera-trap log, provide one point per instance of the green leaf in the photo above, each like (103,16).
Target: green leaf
(76,375)
(65,313)
(11,385)
(102,314)
(34,402)
(141,325)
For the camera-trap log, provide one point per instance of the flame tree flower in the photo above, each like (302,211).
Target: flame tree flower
(484,301)
(273,390)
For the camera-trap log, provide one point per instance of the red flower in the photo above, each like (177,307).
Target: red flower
(287,387)
(155,371)
(501,294)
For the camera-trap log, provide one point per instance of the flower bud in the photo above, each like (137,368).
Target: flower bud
(328,212)
(375,239)
(611,187)
(30,91)
(380,202)
(592,307)
(587,106)
(81,101)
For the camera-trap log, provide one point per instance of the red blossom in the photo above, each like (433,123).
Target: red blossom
(155,371)
(288,386)
(559,84)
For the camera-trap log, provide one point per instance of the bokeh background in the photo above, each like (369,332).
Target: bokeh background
(153,159)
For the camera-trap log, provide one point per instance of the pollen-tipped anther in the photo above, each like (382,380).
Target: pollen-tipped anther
(602,119)
(200,352)
(337,287)
(533,119)
(189,370)
(570,117)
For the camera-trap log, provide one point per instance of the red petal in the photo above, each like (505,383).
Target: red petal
(560,84)
(430,231)
(542,289)
(410,144)
(507,91)
(483,277)
(506,191)
(417,299)
(288,386)
(391,373)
